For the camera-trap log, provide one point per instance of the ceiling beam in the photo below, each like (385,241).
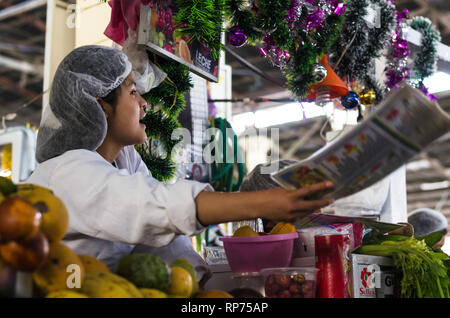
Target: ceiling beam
(16,88)
(20,8)
(21,66)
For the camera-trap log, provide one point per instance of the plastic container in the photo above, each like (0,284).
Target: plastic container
(251,254)
(290,282)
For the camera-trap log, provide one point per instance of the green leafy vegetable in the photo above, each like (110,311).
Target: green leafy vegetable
(424,272)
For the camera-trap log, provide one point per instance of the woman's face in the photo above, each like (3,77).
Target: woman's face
(123,123)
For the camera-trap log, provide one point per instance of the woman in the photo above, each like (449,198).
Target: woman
(86,153)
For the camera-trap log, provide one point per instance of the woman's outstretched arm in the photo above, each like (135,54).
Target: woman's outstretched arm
(276,204)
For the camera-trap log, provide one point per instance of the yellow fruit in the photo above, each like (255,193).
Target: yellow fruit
(152,293)
(55,218)
(213,293)
(180,282)
(65,294)
(93,265)
(108,285)
(24,188)
(245,231)
(184,263)
(124,283)
(53,275)
(283,228)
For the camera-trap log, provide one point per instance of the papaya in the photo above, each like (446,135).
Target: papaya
(55,274)
(152,293)
(65,294)
(108,285)
(55,218)
(93,265)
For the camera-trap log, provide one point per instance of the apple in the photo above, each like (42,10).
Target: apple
(19,219)
(26,255)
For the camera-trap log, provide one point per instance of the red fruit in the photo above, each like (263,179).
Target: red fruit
(295,289)
(26,255)
(284,294)
(283,280)
(19,220)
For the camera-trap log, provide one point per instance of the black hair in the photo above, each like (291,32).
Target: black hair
(112,97)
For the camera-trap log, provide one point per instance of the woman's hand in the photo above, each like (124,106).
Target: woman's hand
(276,204)
(287,205)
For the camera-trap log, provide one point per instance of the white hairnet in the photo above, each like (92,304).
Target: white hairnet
(426,221)
(74,119)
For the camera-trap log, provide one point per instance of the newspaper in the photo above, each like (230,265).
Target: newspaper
(401,127)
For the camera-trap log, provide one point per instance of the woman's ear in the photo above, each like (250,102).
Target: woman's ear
(107,108)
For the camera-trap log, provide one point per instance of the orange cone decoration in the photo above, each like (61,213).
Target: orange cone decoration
(336,86)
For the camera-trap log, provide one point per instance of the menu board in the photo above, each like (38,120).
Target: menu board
(156,32)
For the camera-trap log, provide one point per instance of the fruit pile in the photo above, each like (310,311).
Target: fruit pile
(33,222)
(288,286)
(279,228)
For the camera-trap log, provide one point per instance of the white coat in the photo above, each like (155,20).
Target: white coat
(115,211)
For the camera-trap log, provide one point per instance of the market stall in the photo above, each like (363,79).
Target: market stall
(329,52)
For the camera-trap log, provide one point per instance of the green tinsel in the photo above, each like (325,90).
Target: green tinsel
(360,44)
(299,72)
(202,20)
(167,101)
(271,19)
(426,58)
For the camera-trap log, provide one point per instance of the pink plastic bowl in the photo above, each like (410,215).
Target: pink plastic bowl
(251,254)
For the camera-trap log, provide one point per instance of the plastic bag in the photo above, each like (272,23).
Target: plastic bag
(146,74)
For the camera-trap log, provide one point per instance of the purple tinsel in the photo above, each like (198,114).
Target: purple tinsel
(236,36)
(398,54)
(424,90)
(277,56)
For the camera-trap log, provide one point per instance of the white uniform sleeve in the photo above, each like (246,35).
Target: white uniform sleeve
(111,204)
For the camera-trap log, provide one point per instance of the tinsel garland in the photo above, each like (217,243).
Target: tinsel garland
(202,20)
(300,31)
(426,59)
(359,43)
(166,100)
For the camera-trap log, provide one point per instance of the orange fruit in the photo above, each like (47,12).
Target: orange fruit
(283,228)
(181,283)
(245,231)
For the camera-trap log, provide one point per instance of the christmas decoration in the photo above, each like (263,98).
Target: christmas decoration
(236,37)
(367,97)
(319,73)
(361,41)
(350,101)
(294,34)
(166,100)
(331,87)
(426,59)
(202,20)
(397,57)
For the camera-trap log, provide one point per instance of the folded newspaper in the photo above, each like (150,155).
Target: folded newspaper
(400,128)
